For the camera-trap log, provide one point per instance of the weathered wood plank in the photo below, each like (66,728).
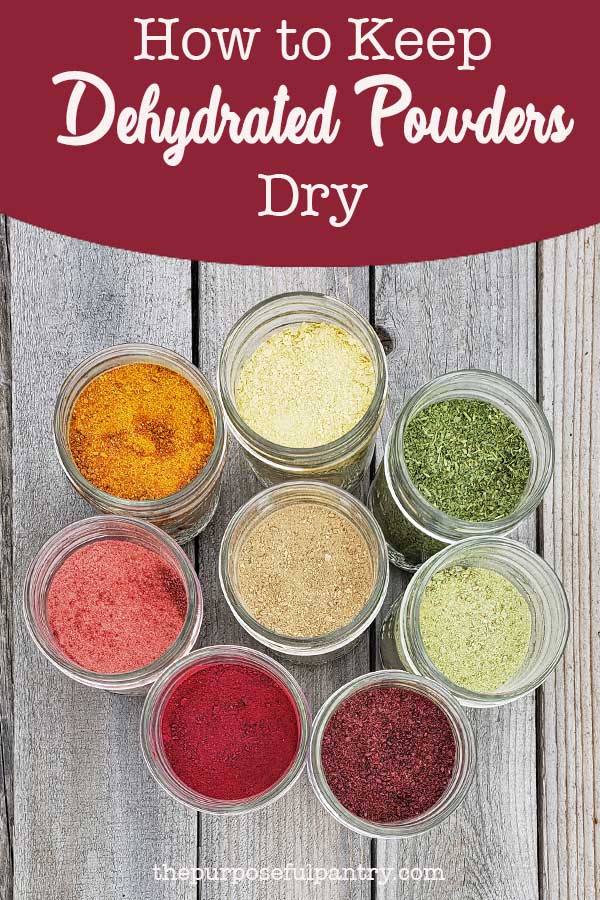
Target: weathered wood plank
(296,830)
(474,312)
(569,719)
(6,691)
(89,821)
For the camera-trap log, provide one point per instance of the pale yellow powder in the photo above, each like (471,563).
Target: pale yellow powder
(306,385)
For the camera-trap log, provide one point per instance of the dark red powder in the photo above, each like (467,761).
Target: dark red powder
(388,754)
(114,606)
(230,731)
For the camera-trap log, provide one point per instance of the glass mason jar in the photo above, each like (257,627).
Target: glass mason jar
(414,529)
(402,644)
(342,462)
(87,531)
(152,743)
(184,514)
(329,646)
(464,764)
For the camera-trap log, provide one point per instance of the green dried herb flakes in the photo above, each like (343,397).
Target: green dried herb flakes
(468,459)
(475,626)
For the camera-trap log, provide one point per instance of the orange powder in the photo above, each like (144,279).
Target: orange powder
(140,432)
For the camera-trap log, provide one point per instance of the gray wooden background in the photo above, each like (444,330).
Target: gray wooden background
(80,818)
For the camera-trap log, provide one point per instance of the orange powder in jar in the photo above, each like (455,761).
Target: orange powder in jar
(140,432)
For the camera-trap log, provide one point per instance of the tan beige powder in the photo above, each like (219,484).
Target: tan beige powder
(304,571)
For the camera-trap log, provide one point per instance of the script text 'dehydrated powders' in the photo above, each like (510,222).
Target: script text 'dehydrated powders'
(467,458)
(475,626)
(305,386)
(115,606)
(388,754)
(229,730)
(140,431)
(304,570)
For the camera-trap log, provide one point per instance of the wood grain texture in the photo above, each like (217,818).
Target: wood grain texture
(6,680)
(473,312)
(569,721)
(89,821)
(296,830)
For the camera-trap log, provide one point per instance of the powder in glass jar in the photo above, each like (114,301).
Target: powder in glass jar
(306,386)
(304,571)
(140,432)
(388,754)
(230,731)
(115,606)
(468,459)
(475,626)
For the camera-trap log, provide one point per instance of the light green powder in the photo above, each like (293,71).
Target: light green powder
(475,626)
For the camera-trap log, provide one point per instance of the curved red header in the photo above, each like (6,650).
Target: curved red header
(351,135)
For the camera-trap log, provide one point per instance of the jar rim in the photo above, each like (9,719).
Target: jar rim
(417,655)
(150,726)
(414,506)
(298,458)
(464,766)
(335,498)
(70,391)
(59,547)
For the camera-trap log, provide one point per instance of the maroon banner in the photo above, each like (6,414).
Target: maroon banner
(332,135)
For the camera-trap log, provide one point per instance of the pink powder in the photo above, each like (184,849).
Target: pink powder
(114,606)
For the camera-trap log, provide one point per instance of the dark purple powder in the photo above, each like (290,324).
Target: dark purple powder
(388,754)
